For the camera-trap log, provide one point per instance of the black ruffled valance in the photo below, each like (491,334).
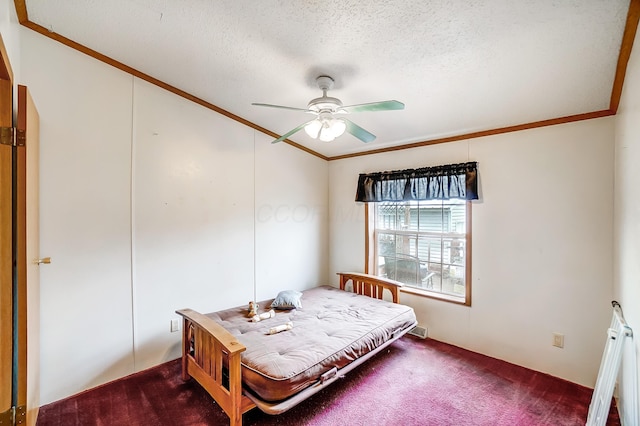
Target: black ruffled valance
(428,183)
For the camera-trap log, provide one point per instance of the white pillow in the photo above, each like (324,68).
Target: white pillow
(287,299)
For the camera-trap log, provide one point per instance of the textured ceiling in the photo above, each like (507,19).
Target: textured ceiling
(460,66)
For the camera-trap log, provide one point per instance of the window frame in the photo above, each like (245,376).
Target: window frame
(370,252)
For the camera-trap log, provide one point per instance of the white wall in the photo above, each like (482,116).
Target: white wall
(292,228)
(85,173)
(132,218)
(193,209)
(150,203)
(9,29)
(627,224)
(542,243)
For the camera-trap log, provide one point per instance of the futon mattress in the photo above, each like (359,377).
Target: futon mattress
(332,329)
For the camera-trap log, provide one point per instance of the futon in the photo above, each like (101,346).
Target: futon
(277,362)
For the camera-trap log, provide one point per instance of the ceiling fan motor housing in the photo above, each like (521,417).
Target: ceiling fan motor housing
(325,82)
(324,103)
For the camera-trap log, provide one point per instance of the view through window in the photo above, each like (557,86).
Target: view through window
(423,244)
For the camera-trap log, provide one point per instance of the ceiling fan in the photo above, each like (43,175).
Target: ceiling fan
(326,126)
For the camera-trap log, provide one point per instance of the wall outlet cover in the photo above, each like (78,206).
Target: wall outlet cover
(558,340)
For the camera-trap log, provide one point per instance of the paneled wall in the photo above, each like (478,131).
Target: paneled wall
(150,203)
(85,221)
(193,214)
(627,228)
(542,243)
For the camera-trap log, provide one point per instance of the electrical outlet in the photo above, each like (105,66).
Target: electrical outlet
(558,340)
(175,325)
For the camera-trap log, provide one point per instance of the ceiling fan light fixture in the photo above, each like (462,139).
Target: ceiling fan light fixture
(338,127)
(313,128)
(326,128)
(326,135)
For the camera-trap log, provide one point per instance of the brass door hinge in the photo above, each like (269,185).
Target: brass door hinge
(20,417)
(12,136)
(6,138)
(14,416)
(6,418)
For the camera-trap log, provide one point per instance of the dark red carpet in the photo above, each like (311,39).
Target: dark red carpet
(414,382)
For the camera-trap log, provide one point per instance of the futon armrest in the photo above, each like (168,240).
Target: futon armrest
(226,339)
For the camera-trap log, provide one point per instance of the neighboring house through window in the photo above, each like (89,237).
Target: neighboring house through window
(423,244)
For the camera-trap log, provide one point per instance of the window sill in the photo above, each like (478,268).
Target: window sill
(434,295)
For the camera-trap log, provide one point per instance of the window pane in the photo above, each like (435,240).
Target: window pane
(423,244)
(430,249)
(386,244)
(458,212)
(386,217)
(430,218)
(458,255)
(453,280)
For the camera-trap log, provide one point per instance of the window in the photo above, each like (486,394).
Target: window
(419,228)
(423,244)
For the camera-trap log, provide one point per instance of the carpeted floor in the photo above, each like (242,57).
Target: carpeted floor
(415,382)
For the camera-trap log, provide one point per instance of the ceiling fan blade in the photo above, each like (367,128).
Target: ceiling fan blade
(289,133)
(281,107)
(358,131)
(374,106)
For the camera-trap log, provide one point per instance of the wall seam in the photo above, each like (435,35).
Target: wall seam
(132,226)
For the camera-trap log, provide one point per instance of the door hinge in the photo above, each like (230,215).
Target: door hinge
(20,416)
(7,418)
(14,416)
(12,136)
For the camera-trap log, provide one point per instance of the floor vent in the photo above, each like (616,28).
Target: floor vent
(418,331)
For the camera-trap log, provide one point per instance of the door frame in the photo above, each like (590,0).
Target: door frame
(6,235)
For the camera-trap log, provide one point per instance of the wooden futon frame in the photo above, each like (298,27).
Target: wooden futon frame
(211,355)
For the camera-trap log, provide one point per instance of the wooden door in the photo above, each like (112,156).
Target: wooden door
(6,236)
(27,260)
(19,246)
